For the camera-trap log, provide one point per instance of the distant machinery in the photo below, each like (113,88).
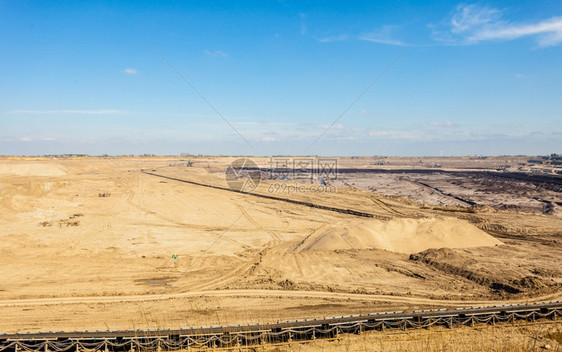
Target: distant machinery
(188,163)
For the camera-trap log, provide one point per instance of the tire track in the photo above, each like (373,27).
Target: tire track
(270,293)
(273,235)
(386,207)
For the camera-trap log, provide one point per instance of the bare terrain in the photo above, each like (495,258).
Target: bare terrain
(96,243)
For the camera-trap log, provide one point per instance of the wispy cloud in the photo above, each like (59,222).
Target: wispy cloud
(469,17)
(215,53)
(88,112)
(337,126)
(397,134)
(548,32)
(336,38)
(423,134)
(383,35)
(366,112)
(472,24)
(303,23)
(131,71)
(445,123)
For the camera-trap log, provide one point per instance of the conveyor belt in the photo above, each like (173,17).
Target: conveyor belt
(253,334)
(307,204)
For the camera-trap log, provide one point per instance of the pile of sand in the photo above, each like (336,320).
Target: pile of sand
(399,235)
(31,169)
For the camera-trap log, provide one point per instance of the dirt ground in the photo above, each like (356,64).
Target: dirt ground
(96,244)
(462,189)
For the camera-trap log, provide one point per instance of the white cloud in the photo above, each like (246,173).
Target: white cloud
(419,133)
(347,138)
(89,112)
(472,24)
(395,134)
(49,139)
(215,53)
(269,139)
(367,112)
(445,123)
(26,139)
(337,126)
(131,71)
(303,24)
(384,35)
(548,32)
(471,16)
(337,38)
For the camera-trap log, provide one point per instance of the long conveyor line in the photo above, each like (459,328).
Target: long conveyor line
(307,204)
(255,334)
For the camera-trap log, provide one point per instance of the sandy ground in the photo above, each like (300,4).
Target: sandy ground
(94,243)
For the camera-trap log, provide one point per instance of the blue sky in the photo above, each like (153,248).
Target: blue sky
(477,78)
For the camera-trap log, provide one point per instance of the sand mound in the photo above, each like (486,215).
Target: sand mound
(31,169)
(399,235)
